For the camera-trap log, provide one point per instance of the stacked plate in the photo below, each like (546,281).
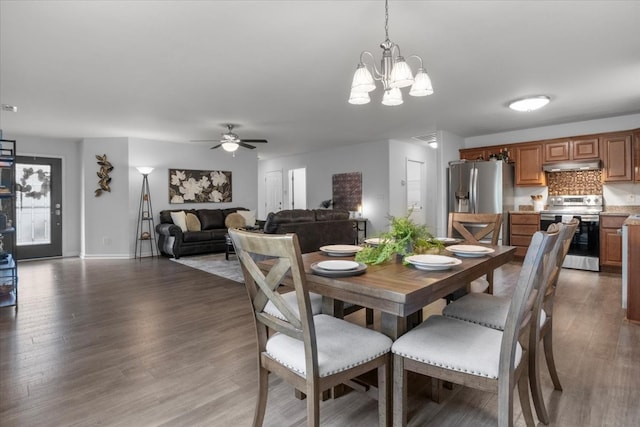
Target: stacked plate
(338,268)
(432,262)
(340,250)
(448,240)
(469,250)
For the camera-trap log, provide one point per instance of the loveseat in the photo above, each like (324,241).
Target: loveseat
(202,231)
(314,227)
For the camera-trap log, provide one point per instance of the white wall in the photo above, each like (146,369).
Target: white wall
(371,159)
(68,150)
(449,145)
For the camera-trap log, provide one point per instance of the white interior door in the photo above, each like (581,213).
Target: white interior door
(273,196)
(298,188)
(415,193)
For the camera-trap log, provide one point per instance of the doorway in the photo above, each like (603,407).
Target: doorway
(38,207)
(298,188)
(273,192)
(415,192)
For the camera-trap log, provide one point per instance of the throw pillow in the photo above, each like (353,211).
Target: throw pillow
(193,223)
(233,220)
(249,218)
(180,219)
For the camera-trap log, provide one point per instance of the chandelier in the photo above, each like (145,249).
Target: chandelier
(394,74)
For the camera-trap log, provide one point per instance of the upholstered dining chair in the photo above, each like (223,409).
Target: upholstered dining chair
(473,228)
(312,353)
(476,356)
(491,311)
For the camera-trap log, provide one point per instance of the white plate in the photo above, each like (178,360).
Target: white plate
(338,265)
(432,262)
(374,241)
(447,239)
(469,250)
(340,250)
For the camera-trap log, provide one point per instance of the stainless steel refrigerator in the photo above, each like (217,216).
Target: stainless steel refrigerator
(482,187)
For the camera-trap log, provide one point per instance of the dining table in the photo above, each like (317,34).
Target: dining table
(399,291)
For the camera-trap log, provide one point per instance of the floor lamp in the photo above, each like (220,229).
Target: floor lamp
(145,229)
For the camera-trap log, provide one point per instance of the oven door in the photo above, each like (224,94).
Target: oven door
(584,252)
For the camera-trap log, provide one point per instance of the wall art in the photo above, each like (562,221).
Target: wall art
(199,186)
(103,174)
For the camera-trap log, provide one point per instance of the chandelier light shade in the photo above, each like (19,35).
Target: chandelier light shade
(394,74)
(528,104)
(230,146)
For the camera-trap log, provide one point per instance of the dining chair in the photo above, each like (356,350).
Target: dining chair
(491,311)
(473,228)
(312,353)
(476,356)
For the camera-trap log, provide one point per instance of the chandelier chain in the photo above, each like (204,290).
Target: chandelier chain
(386,19)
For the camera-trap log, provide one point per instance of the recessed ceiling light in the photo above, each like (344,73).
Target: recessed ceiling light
(10,108)
(530,103)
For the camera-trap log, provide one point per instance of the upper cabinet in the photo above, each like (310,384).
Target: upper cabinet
(616,156)
(581,148)
(473,154)
(529,164)
(636,156)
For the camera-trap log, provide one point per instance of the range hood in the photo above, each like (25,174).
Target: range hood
(576,165)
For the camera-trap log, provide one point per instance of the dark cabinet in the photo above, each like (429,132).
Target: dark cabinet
(8,265)
(522,227)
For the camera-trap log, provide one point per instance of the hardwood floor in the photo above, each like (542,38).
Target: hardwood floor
(153,342)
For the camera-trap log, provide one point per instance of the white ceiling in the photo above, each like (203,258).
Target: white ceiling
(281,70)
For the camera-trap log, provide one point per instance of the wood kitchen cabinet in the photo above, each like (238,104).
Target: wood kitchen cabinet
(567,149)
(474,154)
(611,240)
(636,156)
(522,227)
(616,156)
(528,158)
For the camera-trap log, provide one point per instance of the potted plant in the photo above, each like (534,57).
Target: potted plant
(403,238)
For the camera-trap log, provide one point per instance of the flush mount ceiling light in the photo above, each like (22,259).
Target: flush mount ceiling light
(530,103)
(10,108)
(394,74)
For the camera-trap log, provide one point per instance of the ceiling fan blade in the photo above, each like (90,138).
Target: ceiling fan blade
(254,141)
(205,140)
(242,144)
(216,146)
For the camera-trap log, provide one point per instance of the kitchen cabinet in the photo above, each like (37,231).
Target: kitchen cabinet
(616,156)
(522,227)
(636,156)
(611,240)
(567,149)
(528,158)
(474,154)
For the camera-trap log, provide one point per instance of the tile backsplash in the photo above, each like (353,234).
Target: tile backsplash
(574,182)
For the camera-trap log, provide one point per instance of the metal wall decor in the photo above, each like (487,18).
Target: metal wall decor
(103,174)
(199,186)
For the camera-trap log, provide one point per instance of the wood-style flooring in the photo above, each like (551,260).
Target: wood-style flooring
(154,343)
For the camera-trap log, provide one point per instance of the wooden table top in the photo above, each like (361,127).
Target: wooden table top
(400,289)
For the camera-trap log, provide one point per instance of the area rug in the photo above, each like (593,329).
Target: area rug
(214,264)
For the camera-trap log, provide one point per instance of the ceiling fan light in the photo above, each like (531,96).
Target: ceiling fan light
(392,97)
(401,74)
(362,80)
(230,146)
(422,85)
(531,103)
(359,98)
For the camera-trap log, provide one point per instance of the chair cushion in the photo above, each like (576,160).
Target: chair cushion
(483,309)
(290,299)
(455,345)
(341,346)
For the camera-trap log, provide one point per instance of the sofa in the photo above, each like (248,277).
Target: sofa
(314,227)
(201,231)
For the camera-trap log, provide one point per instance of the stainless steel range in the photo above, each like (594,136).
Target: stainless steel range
(584,252)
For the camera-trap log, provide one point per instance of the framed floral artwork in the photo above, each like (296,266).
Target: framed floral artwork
(198,186)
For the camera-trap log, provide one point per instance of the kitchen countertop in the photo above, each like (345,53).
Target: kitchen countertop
(523,212)
(632,220)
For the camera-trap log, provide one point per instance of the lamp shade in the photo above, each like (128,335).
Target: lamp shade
(230,146)
(392,97)
(422,85)
(144,170)
(359,98)
(362,80)
(401,75)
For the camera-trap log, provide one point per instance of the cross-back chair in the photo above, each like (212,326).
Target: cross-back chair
(476,356)
(312,353)
(473,228)
(491,311)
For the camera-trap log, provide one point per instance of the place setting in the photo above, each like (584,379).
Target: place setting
(470,251)
(338,268)
(429,262)
(340,250)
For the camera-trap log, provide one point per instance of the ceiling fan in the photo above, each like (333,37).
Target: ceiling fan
(230,141)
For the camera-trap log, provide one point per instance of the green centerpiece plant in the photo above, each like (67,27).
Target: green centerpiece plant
(404,237)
